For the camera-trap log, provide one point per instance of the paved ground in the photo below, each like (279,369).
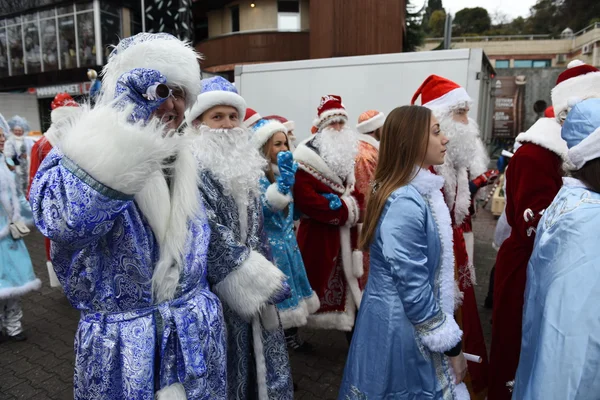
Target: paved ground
(42,367)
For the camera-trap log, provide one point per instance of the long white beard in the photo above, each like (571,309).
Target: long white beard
(465,149)
(338,149)
(230,156)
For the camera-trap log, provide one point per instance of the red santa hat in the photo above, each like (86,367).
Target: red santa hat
(578,82)
(289,125)
(370,121)
(264,129)
(330,110)
(62,107)
(251,117)
(549,112)
(438,93)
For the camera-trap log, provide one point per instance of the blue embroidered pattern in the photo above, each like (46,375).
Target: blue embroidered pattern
(104,254)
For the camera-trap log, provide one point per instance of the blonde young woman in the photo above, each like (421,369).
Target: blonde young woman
(407,344)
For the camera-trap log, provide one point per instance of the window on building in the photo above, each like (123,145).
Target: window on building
(49,41)
(502,63)
(542,63)
(86,39)
(15,46)
(66,37)
(288,15)
(33,51)
(235,18)
(523,63)
(110,23)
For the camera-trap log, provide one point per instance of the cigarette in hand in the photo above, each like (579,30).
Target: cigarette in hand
(472,358)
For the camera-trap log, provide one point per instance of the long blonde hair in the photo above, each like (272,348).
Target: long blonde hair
(403,145)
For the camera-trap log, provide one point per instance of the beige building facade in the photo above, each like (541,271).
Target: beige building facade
(533,51)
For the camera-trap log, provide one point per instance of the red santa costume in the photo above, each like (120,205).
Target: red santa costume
(62,109)
(465,160)
(325,194)
(533,179)
(366,163)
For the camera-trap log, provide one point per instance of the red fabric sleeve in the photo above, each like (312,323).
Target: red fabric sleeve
(532,181)
(39,151)
(308,200)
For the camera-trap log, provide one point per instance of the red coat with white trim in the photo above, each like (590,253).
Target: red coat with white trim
(532,181)
(327,239)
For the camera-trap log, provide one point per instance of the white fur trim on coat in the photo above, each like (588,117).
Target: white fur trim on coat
(247,289)
(456,190)
(207,100)
(372,124)
(54,282)
(298,316)
(448,334)
(353,210)
(259,359)
(348,265)
(581,87)
(341,321)
(546,133)
(587,150)
(30,286)
(309,161)
(175,59)
(357,263)
(369,140)
(175,391)
(264,133)
(276,200)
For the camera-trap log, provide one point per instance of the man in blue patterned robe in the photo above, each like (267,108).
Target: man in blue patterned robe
(238,269)
(118,199)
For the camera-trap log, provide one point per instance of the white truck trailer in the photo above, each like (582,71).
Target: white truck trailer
(381,82)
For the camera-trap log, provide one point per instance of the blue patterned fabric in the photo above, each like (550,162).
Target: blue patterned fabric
(131,90)
(226,254)
(104,253)
(560,346)
(387,359)
(16,271)
(279,226)
(217,83)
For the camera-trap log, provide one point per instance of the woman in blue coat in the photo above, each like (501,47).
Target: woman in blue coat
(407,344)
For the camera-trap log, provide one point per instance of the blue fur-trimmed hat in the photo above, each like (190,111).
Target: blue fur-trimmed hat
(581,131)
(216,91)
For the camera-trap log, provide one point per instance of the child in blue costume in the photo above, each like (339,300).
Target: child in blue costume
(270,137)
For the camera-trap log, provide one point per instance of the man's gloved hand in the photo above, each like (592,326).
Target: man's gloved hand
(486,178)
(132,89)
(287,169)
(284,294)
(334,201)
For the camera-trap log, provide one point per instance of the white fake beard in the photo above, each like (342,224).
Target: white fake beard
(230,156)
(338,149)
(465,147)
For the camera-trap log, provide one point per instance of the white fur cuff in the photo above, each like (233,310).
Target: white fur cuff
(353,210)
(115,152)
(175,391)
(441,333)
(247,289)
(277,201)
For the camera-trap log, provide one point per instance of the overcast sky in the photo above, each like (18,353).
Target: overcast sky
(513,8)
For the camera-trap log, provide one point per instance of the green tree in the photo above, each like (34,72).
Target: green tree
(437,23)
(432,7)
(578,14)
(413,30)
(546,18)
(472,21)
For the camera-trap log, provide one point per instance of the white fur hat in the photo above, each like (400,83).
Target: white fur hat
(264,129)
(370,121)
(175,59)
(578,82)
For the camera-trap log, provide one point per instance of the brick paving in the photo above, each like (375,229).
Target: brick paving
(41,368)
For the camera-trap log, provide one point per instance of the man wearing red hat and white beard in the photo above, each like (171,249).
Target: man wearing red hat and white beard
(466,161)
(369,130)
(325,194)
(533,179)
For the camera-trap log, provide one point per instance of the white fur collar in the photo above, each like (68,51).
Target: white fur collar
(573,182)
(546,133)
(9,200)
(369,139)
(429,185)
(312,163)
(167,213)
(426,182)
